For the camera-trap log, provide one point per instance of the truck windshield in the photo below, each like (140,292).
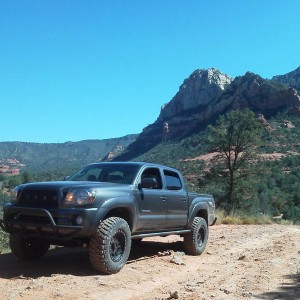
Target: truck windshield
(114,173)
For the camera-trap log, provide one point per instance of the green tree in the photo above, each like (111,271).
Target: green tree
(13,181)
(235,137)
(26,177)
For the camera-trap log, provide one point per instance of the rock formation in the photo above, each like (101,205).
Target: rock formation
(199,89)
(291,79)
(258,94)
(205,95)
(248,91)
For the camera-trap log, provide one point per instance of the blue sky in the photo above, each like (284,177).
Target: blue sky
(72,70)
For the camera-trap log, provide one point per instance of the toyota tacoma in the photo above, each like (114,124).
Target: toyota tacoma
(105,206)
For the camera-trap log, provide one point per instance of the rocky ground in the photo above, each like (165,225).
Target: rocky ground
(240,262)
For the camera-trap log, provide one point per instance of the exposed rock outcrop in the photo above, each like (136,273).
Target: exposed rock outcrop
(249,91)
(10,166)
(288,124)
(265,123)
(199,89)
(291,79)
(113,153)
(258,94)
(205,95)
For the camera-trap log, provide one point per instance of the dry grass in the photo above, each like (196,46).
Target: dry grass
(236,219)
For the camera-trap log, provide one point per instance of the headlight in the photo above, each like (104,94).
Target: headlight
(14,194)
(80,197)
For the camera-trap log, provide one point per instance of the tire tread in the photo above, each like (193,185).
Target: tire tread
(190,239)
(99,242)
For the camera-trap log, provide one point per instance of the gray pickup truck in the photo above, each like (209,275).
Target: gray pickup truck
(105,206)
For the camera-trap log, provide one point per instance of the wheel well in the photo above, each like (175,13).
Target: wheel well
(203,214)
(121,212)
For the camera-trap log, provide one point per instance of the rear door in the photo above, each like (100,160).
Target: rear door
(177,200)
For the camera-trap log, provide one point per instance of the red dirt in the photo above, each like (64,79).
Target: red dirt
(240,262)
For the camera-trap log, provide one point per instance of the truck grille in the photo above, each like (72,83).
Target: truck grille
(38,198)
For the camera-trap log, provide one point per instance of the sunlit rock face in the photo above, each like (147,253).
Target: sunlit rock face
(255,93)
(207,94)
(199,89)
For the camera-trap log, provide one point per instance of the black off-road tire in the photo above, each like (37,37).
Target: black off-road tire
(195,241)
(27,248)
(109,247)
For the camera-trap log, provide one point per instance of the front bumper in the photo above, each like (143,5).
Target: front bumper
(48,222)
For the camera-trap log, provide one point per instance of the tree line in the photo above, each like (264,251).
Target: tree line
(237,176)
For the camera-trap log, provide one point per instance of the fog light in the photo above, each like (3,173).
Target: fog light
(79,220)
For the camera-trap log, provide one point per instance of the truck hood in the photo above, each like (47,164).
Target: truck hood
(62,185)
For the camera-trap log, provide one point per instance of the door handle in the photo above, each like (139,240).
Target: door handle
(163,198)
(183,199)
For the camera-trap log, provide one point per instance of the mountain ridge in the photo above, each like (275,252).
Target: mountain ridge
(202,97)
(291,79)
(251,91)
(51,156)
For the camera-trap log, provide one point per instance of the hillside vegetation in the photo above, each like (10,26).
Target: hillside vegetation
(275,188)
(39,157)
(262,185)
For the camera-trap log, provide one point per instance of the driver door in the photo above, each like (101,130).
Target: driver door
(152,204)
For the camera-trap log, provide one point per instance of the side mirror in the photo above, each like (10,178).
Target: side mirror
(148,183)
(66,178)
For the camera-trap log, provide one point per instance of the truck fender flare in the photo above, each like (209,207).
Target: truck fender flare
(115,203)
(195,208)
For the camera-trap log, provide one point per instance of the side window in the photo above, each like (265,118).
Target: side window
(155,174)
(172,180)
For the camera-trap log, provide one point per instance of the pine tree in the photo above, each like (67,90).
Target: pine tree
(235,137)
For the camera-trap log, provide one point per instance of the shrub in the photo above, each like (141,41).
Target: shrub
(3,242)
(241,219)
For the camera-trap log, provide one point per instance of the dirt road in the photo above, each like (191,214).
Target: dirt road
(240,262)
